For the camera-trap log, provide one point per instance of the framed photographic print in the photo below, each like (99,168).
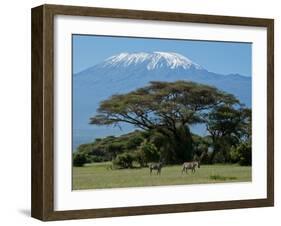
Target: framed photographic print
(141,112)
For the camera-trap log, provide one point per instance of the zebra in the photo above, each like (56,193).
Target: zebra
(190,165)
(155,166)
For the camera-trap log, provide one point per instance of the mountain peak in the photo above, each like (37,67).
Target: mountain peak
(151,61)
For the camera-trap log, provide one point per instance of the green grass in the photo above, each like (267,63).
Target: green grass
(222,178)
(98,175)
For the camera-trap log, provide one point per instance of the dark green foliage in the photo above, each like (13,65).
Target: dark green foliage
(218,157)
(242,154)
(201,147)
(134,141)
(79,159)
(108,148)
(163,145)
(149,152)
(228,126)
(115,148)
(234,155)
(245,153)
(140,158)
(183,144)
(96,158)
(124,160)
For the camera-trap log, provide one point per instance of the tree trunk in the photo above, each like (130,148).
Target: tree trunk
(183,145)
(180,145)
(212,156)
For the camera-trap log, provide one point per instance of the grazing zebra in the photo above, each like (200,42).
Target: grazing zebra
(155,166)
(190,165)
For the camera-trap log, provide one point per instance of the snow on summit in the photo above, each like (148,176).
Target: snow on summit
(151,60)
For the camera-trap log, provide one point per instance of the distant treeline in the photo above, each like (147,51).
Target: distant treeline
(139,148)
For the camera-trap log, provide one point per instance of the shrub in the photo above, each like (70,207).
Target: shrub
(140,158)
(245,154)
(222,178)
(124,160)
(234,155)
(219,157)
(242,154)
(115,147)
(97,158)
(149,152)
(133,142)
(79,159)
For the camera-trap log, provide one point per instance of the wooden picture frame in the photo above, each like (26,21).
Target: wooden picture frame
(43,112)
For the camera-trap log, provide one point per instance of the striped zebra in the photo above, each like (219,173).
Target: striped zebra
(190,165)
(155,166)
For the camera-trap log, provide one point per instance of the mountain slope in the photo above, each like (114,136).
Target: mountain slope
(125,72)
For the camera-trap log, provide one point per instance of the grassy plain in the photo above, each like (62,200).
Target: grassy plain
(99,175)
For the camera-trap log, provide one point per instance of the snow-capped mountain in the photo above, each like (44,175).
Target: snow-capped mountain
(151,61)
(125,72)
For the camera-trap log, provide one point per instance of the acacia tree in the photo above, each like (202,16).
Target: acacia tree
(228,126)
(165,107)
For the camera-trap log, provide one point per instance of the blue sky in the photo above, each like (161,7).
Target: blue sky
(219,57)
